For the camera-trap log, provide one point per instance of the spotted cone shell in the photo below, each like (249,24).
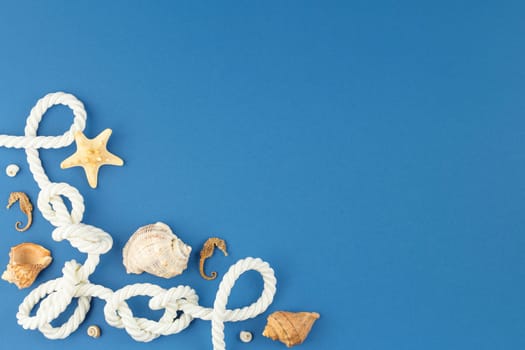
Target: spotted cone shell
(26,260)
(156,250)
(291,328)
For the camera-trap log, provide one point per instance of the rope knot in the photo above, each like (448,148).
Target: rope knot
(175,298)
(53,207)
(86,238)
(118,313)
(74,274)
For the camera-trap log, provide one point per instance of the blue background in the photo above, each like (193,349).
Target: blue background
(371,151)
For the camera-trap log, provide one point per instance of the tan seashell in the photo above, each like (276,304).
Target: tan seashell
(156,250)
(26,260)
(291,328)
(93,331)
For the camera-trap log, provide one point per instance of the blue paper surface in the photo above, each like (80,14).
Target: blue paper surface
(372,152)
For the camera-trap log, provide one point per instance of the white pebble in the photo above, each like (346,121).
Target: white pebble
(12,170)
(245,336)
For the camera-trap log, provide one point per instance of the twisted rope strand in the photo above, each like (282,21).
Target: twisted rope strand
(180,303)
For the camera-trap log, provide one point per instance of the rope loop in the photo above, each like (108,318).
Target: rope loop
(220,314)
(31,141)
(54,297)
(53,208)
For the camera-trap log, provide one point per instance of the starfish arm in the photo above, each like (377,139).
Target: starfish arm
(103,137)
(80,139)
(92,174)
(71,161)
(111,159)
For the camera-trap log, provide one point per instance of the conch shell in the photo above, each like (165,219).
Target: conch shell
(26,260)
(291,328)
(156,250)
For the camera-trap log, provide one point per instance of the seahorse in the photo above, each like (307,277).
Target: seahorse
(207,251)
(25,206)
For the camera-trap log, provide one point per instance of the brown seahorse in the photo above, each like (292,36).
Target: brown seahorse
(25,206)
(207,251)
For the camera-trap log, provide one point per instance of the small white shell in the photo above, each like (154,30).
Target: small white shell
(156,250)
(245,336)
(11,170)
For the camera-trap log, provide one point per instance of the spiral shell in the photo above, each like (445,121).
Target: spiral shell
(11,170)
(93,331)
(26,260)
(291,328)
(156,250)
(245,336)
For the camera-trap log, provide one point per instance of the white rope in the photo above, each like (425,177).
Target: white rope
(180,303)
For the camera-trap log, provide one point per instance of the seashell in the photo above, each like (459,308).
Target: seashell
(11,170)
(26,260)
(291,328)
(245,336)
(93,331)
(156,250)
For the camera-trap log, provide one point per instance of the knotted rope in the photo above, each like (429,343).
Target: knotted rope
(180,303)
